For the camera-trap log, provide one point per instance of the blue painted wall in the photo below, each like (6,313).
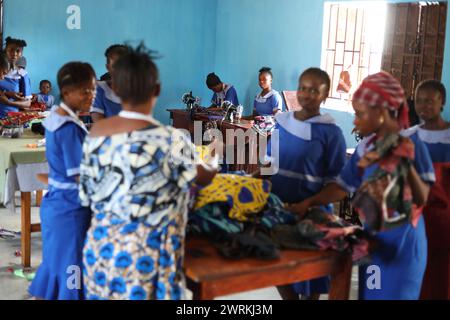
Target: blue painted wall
(183,32)
(234,38)
(285,35)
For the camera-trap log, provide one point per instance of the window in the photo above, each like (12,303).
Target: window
(352,47)
(362,38)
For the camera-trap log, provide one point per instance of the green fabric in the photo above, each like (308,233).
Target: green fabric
(15,151)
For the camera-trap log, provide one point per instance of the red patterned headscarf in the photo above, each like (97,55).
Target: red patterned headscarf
(383,90)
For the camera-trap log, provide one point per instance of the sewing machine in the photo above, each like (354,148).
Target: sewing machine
(190,101)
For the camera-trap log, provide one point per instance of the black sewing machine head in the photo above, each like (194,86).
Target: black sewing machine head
(230,111)
(190,101)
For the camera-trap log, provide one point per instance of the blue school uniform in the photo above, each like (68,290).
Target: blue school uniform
(15,81)
(399,261)
(106,101)
(64,221)
(47,99)
(268,104)
(311,154)
(228,94)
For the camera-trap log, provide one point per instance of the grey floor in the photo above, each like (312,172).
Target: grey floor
(15,288)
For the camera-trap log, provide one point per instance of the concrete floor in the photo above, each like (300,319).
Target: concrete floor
(15,288)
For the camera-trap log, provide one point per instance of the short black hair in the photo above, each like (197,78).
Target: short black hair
(4,63)
(19,42)
(266,70)
(212,80)
(74,73)
(433,85)
(116,49)
(136,76)
(44,81)
(321,74)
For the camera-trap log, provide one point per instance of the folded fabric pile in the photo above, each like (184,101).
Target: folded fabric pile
(254,222)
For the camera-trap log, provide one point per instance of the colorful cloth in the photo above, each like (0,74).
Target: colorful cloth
(137,185)
(384,200)
(383,90)
(244,195)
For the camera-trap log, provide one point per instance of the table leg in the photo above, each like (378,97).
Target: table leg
(39,194)
(341,279)
(26,228)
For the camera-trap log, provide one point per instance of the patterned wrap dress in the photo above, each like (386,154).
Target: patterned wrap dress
(137,185)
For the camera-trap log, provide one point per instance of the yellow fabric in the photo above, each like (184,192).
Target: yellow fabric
(203,153)
(245,195)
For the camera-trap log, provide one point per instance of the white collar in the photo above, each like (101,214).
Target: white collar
(301,129)
(14,74)
(109,93)
(267,96)
(55,120)
(433,136)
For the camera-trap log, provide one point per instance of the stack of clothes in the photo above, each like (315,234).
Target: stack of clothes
(243,219)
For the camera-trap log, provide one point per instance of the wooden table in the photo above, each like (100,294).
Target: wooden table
(181,120)
(209,275)
(14,152)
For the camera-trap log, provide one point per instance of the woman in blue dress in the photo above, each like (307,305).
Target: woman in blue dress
(135,176)
(268,102)
(399,254)
(306,152)
(64,221)
(222,91)
(435,133)
(16,84)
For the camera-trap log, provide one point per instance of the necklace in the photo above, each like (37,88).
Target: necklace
(73,115)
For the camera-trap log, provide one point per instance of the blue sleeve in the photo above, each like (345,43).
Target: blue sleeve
(422,160)
(336,155)
(71,138)
(98,105)
(25,86)
(278,102)
(350,178)
(232,96)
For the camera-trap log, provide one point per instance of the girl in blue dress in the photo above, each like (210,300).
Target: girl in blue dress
(268,102)
(399,254)
(14,80)
(308,153)
(107,103)
(64,221)
(222,91)
(435,133)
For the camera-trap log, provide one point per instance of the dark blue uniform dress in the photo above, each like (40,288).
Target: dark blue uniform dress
(64,221)
(398,264)
(309,155)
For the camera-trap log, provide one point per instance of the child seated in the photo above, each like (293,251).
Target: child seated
(44,96)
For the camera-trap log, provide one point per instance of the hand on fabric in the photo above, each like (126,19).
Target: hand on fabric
(299,208)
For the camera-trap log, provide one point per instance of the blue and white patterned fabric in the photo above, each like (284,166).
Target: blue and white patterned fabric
(137,187)
(106,101)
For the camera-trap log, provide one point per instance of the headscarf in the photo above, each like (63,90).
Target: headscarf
(383,90)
